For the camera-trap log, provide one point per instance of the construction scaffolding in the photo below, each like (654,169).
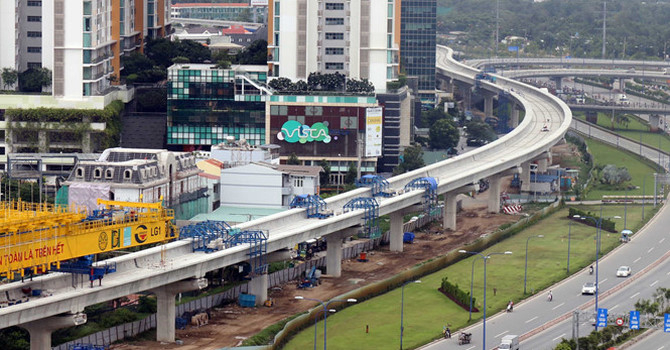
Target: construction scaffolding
(370,217)
(429,185)
(315,205)
(379,186)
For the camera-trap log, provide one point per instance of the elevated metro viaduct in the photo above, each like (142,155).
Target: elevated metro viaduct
(175,267)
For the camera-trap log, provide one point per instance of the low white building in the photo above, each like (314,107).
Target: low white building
(267,185)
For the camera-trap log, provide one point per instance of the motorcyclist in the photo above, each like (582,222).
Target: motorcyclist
(550,297)
(591,270)
(510,306)
(447,332)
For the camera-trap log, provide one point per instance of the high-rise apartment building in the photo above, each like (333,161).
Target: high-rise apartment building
(417,44)
(81,42)
(358,38)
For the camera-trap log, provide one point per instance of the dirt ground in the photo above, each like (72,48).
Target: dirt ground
(229,326)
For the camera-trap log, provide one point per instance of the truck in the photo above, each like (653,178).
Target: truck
(509,342)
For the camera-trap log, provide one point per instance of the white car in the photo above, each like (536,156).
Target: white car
(589,288)
(623,271)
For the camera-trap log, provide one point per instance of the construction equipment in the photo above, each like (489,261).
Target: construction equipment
(408,237)
(312,279)
(315,205)
(37,237)
(429,185)
(370,218)
(379,186)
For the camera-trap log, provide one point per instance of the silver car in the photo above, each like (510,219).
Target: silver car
(589,288)
(623,271)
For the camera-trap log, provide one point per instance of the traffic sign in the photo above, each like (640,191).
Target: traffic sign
(602,318)
(619,321)
(635,320)
(666,323)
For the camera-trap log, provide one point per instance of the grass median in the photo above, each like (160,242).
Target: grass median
(375,323)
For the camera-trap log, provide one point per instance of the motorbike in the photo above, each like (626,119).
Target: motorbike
(464,338)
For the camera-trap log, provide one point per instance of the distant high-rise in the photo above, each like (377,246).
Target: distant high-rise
(81,42)
(358,38)
(417,44)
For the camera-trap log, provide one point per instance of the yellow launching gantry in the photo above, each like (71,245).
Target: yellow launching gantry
(36,237)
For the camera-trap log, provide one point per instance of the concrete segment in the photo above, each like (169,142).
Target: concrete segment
(40,330)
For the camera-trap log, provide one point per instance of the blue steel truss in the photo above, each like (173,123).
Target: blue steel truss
(315,205)
(206,233)
(371,216)
(429,184)
(258,248)
(379,186)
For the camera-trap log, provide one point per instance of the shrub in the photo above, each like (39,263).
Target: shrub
(458,294)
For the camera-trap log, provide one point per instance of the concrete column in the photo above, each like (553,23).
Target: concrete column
(559,82)
(494,193)
(395,236)
(334,254)
(622,84)
(542,165)
(525,177)
(488,105)
(466,92)
(654,120)
(42,144)
(515,117)
(40,330)
(258,286)
(165,306)
(450,209)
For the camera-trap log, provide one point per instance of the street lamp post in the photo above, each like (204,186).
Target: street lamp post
(525,272)
(472,278)
(485,257)
(316,320)
(402,307)
(569,229)
(598,222)
(325,313)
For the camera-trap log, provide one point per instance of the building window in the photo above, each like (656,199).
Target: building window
(79,173)
(34,34)
(335,65)
(34,3)
(34,18)
(298,182)
(34,49)
(334,6)
(97,173)
(109,173)
(334,36)
(334,51)
(334,21)
(127,174)
(34,65)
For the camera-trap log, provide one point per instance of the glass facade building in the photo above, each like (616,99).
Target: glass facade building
(417,44)
(206,105)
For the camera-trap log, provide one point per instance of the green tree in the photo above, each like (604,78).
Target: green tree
(293,159)
(255,53)
(324,176)
(135,63)
(352,173)
(430,117)
(180,59)
(480,131)
(34,79)
(443,135)
(412,158)
(9,77)
(14,338)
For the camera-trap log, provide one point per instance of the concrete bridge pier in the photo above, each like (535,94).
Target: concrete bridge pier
(622,84)
(558,81)
(446,84)
(451,205)
(525,176)
(488,103)
(494,193)
(466,93)
(514,121)
(542,165)
(40,330)
(165,306)
(654,121)
(334,250)
(258,286)
(395,235)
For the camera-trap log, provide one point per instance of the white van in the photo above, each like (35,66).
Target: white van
(509,342)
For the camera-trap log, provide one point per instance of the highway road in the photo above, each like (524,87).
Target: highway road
(649,248)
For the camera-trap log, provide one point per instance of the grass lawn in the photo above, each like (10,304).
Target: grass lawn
(427,310)
(636,130)
(639,171)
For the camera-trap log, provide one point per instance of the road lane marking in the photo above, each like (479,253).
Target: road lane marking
(532,319)
(651,285)
(602,281)
(661,241)
(503,333)
(470,348)
(650,249)
(559,337)
(636,260)
(557,306)
(614,307)
(634,295)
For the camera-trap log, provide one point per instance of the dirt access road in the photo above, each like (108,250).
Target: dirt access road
(232,324)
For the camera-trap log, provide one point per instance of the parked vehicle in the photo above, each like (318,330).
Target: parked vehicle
(509,342)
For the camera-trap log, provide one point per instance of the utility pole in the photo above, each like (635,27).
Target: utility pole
(497,25)
(604,26)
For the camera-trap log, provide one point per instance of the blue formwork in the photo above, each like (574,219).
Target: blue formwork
(203,233)
(371,216)
(315,205)
(429,185)
(258,247)
(378,185)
